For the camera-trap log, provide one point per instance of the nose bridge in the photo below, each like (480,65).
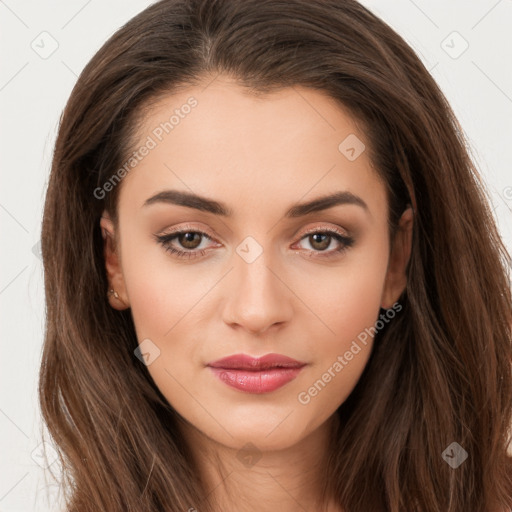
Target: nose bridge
(259,298)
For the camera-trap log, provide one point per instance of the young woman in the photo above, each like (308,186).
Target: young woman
(272,275)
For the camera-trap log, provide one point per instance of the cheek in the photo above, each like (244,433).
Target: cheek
(160,292)
(167,300)
(346,298)
(360,294)
(349,305)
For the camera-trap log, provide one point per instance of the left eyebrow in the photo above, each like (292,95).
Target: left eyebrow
(191,200)
(324,203)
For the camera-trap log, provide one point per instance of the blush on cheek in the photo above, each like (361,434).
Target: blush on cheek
(354,306)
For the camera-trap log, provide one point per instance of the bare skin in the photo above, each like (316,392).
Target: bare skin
(258,156)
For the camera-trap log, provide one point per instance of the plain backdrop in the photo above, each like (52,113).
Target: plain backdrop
(467,46)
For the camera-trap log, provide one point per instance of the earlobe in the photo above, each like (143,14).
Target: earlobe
(396,275)
(116,293)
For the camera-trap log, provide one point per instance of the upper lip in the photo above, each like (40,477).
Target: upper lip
(247,362)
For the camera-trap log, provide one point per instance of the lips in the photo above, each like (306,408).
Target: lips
(266,362)
(256,375)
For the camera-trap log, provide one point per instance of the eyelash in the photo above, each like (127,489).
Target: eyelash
(164,240)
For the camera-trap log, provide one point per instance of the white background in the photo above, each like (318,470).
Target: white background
(33,92)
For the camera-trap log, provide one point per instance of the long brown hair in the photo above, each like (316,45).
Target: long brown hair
(439,373)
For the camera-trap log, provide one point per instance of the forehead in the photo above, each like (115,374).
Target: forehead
(219,140)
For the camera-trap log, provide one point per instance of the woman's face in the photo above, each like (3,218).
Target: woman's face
(253,278)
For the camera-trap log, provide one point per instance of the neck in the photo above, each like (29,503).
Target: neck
(248,480)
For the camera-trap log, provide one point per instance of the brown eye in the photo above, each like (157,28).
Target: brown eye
(320,240)
(317,242)
(187,241)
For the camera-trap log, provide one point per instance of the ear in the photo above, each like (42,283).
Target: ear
(113,264)
(396,278)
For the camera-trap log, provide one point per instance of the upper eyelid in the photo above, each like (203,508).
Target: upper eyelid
(187,229)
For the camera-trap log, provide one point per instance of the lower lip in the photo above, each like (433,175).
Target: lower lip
(262,381)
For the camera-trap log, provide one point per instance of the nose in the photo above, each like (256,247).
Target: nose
(258,298)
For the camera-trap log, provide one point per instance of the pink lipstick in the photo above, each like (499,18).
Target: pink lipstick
(256,375)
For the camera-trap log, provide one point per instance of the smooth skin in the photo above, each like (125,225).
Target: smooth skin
(258,156)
